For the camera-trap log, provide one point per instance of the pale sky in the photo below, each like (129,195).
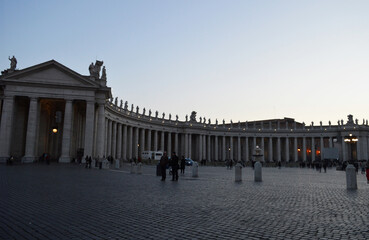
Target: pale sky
(237,60)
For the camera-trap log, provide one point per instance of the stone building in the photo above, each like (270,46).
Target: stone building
(49,108)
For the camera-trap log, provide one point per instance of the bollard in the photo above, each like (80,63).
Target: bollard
(117,163)
(133,167)
(238,173)
(139,168)
(257,172)
(195,169)
(351,180)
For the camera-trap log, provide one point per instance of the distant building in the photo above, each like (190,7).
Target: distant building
(49,108)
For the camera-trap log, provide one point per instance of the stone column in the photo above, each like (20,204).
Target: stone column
(204,150)
(142,142)
(312,149)
(263,150)
(114,140)
(358,148)
(279,158)
(106,136)
(119,142)
(247,149)
(321,147)
(216,148)
(295,152)
(100,130)
(162,141)
(169,148)
(253,143)
(238,148)
(224,157)
(89,128)
(344,150)
(208,157)
(200,147)
(186,145)
(189,145)
(231,147)
(129,142)
(30,150)
(125,143)
(287,149)
(330,142)
(149,140)
(155,140)
(109,145)
(136,141)
(304,149)
(176,143)
(270,143)
(67,130)
(6,128)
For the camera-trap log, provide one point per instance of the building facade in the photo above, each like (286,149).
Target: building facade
(49,108)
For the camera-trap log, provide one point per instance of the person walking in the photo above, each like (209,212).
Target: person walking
(183,165)
(175,166)
(163,166)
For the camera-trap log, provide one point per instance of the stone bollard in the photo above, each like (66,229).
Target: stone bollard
(139,168)
(238,173)
(195,169)
(351,180)
(257,172)
(117,163)
(133,167)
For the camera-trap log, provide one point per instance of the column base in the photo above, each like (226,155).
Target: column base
(65,159)
(28,159)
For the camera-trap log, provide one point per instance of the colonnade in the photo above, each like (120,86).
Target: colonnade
(128,141)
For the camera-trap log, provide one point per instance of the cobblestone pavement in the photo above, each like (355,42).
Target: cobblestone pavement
(71,202)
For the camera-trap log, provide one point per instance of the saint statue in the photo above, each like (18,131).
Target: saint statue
(177,117)
(216,121)
(103,75)
(149,112)
(137,109)
(170,116)
(126,105)
(200,119)
(143,111)
(132,107)
(209,122)
(163,115)
(116,101)
(13,63)
(121,103)
(156,113)
(186,117)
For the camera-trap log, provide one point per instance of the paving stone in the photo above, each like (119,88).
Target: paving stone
(65,201)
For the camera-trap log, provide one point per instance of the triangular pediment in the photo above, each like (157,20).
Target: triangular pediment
(51,73)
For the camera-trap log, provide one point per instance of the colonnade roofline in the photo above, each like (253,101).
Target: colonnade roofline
(125,116)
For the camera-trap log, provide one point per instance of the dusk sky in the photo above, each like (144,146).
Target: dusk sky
(233,60)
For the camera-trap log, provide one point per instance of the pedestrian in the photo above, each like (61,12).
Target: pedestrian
(367,172)
(163,166)
(175,166)
(183,165)
(325,166)
(89,161)
(86,160)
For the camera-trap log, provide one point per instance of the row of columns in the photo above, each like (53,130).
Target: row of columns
(207,146)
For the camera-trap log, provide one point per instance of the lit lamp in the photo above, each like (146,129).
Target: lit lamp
(351,140)
(55,130)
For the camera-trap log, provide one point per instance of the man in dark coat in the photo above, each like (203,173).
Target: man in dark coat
(163,166)
(175,166)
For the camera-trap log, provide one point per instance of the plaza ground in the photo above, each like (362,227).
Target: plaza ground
(67,201)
